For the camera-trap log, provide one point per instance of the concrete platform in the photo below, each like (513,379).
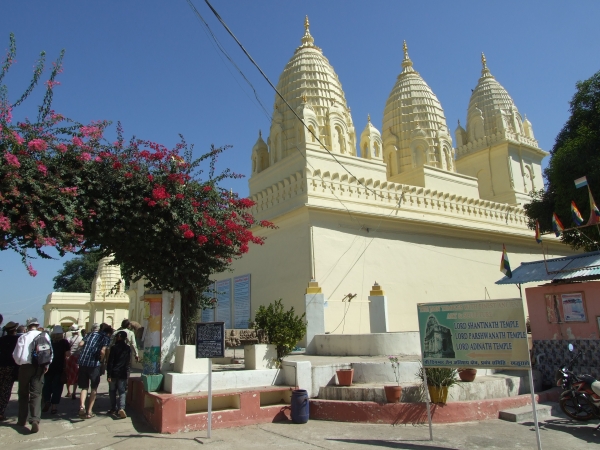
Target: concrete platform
(525,413)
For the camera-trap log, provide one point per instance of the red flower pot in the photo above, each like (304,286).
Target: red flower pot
(345,377)
(467,375)
(393,393)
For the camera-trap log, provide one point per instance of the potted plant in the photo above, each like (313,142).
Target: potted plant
(393,393)
(345,376)
(151,377)
(467,374)
(439,380)
(284,329)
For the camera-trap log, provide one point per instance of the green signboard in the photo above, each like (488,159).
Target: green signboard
(475,334)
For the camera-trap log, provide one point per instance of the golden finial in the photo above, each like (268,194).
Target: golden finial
(405,47)
(306,24)
(483,61)
(369,118)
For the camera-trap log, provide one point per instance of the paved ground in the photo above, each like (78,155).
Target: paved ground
(64,430)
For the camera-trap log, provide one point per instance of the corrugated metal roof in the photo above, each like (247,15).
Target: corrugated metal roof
(585,266)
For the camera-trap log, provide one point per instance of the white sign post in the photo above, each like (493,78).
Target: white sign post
(210,343)
(487,334)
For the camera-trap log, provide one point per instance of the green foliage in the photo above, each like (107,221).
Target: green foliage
(439,376)
(78,273)
(576,153)
(284,328)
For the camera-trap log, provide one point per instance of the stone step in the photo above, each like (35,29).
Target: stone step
(525,413)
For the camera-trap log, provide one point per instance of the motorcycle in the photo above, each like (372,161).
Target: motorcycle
(580,399)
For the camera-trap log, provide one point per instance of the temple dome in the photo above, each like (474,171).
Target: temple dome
(491,102)
(412,101)
(308,78)
(108,281)
(413,112)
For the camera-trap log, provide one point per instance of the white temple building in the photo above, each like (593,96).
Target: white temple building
(407,207)
(106,303)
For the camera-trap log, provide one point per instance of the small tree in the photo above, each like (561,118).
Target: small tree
(77,274)
(284,328)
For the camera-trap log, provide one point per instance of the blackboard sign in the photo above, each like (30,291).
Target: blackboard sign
(210,340)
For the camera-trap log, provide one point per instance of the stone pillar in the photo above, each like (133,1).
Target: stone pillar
(378,310)
(315,315)
(170,329)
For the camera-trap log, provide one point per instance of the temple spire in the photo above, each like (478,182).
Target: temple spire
(406,62)
(307,39)
(485,72)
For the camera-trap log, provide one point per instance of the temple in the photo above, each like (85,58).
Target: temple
(407,206)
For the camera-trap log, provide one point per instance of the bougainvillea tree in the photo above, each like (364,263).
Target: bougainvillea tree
(161,213)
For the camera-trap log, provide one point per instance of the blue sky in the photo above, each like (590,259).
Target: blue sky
(151,65)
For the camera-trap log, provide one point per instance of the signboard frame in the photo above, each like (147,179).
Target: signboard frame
(221,341)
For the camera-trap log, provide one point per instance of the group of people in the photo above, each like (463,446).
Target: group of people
(44,362)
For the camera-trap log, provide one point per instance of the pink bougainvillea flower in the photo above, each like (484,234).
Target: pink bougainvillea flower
(12,160)
(85,156)
(18,138)
(98,159)
(77,141)
(91,131)
(189,234)
(4,223)
(38,145)
(202,239)
(61,148)
(31,270)
(42,168)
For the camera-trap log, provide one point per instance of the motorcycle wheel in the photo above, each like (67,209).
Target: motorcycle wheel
(571,408)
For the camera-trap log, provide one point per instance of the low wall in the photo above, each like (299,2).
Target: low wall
(553,354)
(182,383)
(373,344)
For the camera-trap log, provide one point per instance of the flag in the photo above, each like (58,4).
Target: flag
(576,215)
(504,264)
(581,182)
(538,235)
(594,212)
(557,225)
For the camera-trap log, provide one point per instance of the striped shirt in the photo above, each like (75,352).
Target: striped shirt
(90,353)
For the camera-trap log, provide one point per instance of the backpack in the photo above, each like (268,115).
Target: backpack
(42,351)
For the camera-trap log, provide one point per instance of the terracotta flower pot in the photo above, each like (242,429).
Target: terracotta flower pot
(438,394)
(393,393)
(345,377)
(467,375)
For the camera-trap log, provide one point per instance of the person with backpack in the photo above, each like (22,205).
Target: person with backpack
(93,350)
(33,353)
(117,372)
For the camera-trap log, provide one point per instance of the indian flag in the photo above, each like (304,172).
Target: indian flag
(504,264)
(557,225)
(581,182)
(577,218)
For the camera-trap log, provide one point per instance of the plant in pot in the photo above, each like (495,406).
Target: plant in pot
(467,374)
(393,393)
(151,377)
(345,376)
(439,380)
(284,329)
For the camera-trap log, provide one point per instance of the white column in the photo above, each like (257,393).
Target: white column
(315,315)
(378,310)
(171,329)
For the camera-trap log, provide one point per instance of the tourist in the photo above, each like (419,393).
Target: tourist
(21,330)
(83,333)
(9,370)
(94,347)
(126,328)
(31,372)
(72,367)
(117,372)
(53,378)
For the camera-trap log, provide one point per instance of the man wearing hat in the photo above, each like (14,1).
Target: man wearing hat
(30,375)
(72,367)
(8,368)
